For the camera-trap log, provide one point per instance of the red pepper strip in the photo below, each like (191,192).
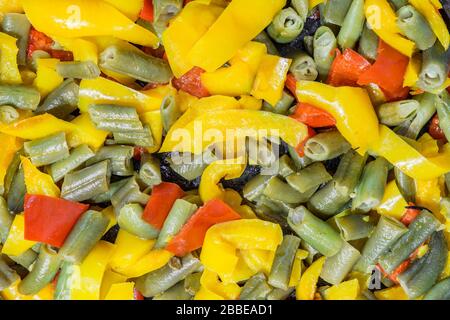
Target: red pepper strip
(138,152)
(313,116)
(301,146)
(62,55)
(137,295)
(193,233)
(435,130)
(347,68)
(49,220)
(394,275)
(388,72)
(147,12)
(410,215)
(191,83)
(291,84)
(161,201)
(39,41)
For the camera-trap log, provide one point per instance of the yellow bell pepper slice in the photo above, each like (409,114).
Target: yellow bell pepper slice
(152,261)
(428,195)
(82,49)
(111,215)
(382,19)
(85,18)
(393,204)
(348,106)
(15,243)
(428,146)
(109,279)
(270,78)
(313,3)
(234,200)
(412,71)
(232,81)
(242,272)
(121,291)
(251,54)
(250,103)
(210,281)
(9,70)
(296,273)
(308,282)
(205,294)
(130,8)
(240,22)
(38,182)
(392,293)
(347,290)
(10,6)
(47,79)
(184,31)
(185,100)
(12,293)
(10,146)
(154,120)
(435,20)
(258,260)
(214,173)
(85,132)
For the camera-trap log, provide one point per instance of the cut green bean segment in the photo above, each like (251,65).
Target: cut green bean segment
(47,150)
(312,176)
(303,67)
(335,11)
(35,56)
(352,26)
(129,193)
(406,185)
(160,280)
(279,294)
(265,39)
(13,167)
(278,190)
(77,157)
(302,8)
(18,26)
(78,69)
(312,253)
(6,220)
(19,96)
(308,42)
(88,230)
(141,138)
(255,187)
(282,264)
(368,43)
(337,267)
(317,233)
(8,114)
(150,172)
(62,101)
(395,113)
(170,111)
(398,3)
(440,291)
(87,183)
(434,68)
(419,231)
(428,103)
(192,283)
(7,275)
(120,158)
(135,64)
(443,110)
(414,25)
(115,118)
(180,213)
(113,188)
(300,162)
(26,259)
(164,10)
(286,166)
(282,106)
(286,26)
(354,226)
(256,288)
(64,284)
(43,272)
(130,219)
(17,192)
(325,44)
(177,292)
(326,146)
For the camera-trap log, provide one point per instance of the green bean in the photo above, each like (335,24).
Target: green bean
(135,64)
(282,264)
(7,275)
(64,283)
(434,68)
(279,294)
(160,280)
(255,187)
(189,168)
(113,188)
(335,11)
(265,39)
(62,101)
(386,233)
(352,26)
(78,156)
(8,115)
(300,162)
(426,111)
(280,191)
(440,291)
(398,3)
(120,157)
(6,220)
(26,259)
(130,219)
(326,146)
(443,110)
(282,106)
(88,230)
(354,226)
(262,153)
(78,69)
(150,171)
(419,231)
(317,233)
(422,275)
(445,207)
(17,191)
(337,267)
(279,207)
(303,67)
(43,272)
(376,95)
(18,26)
(170,111)
(312,253)
(142,138)
(368,43)
(19,96)
(336,193)
(11,171)
(35,56)
(192,283)
(312,176)
(115,118)
(285,166)
(129,193)
(47,150)
(395,113)
(302,8)
(286,26)
(179,214)
(414,25)
(256,288)
(308,42)
(87,183)
(370,190)
(325,44)
(406,185)
(164,10)
(177,292)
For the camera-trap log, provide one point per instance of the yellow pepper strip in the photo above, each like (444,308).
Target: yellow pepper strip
(313,3)
(152,261)
(250,103)
(392,293)
(240,22)
(242,272)
(348,106)
(109,212)
(28,76)
(436,3)
(296,273)
(308,283)
(216,124)
(428,146)
(10,146)
(412,71)
(251,54)
(47,79)
(258,260)
(110,278)
(219,252)
(85,132)
(347,290)
(130,8)
(205,294)
(87,282)
(9,70)
(121,291)
(84,18)
(101,90)
(15,243)
(232,81)
(363,278)
(184,31)
(154,120)
(38,182)
(409,160)
(82,49)
(160,92)
(270,78)
(435,20)
(210,281)
(214,173)
(382,20)
(185,100)
(393,204)
(12,293)
(428,195)
(10,6)
(234,200)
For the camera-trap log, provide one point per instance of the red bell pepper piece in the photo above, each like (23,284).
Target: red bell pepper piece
(435,130)
(193,233)
(62,55)
(301,146)
(313,116)
(410,214)
(50,220)
(138,153)
(291,84)
(347,68)
(137,295)
(191,82)
(147,12)
(39,41)
(387,72)
(161,201)
(394,275)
